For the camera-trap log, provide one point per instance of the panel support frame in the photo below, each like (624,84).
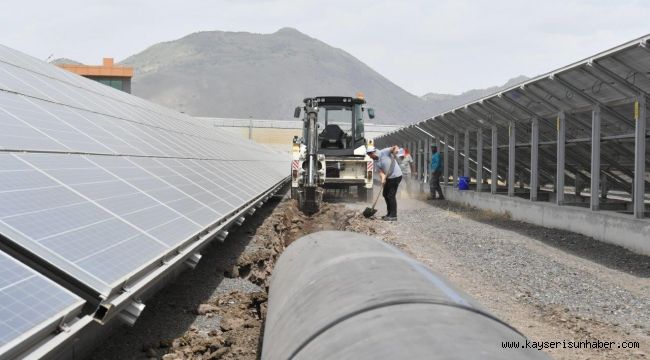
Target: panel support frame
(638,196)
(594,201)
(561,144)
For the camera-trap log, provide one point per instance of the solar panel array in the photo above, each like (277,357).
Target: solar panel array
(612,82)
(100,185)
(29,301)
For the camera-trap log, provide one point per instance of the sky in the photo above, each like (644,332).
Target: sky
(441,46)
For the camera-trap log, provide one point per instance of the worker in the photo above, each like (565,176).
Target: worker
(406,165)
(436,171)
(390,175)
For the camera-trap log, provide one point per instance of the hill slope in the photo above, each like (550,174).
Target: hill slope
(238,74)
(438,103)
(265,76)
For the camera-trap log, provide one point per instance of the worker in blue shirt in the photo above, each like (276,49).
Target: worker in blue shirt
(436,172)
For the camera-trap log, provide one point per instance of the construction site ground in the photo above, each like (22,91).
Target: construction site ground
(551,285)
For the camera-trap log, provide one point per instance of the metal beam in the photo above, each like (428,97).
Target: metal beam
(466,157)
(639,156)
(418,162)
(593,72)
(469,121)
(428,134)
(479,159)
(427,161)
(493,162)
(595,158)
(534,159)
(627,65)
(521,108)
(445,161)
(499,110)
(614,76)
(591,99)
(456,154)
(559,177)
(437,126)
(530,93)
(488,116)
(511,158)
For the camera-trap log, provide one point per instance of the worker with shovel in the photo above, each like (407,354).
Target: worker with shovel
(390,174)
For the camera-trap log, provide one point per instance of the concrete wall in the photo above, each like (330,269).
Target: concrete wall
(267,136)
(606,226)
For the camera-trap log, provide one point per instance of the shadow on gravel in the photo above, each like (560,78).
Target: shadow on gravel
(611,256)
(171,312)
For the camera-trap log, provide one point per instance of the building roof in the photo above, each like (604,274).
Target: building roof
(106,69)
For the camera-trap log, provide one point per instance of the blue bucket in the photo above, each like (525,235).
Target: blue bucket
(463,183)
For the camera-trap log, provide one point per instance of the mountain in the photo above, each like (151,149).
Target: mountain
(438,103)
(264,76)
(64,61)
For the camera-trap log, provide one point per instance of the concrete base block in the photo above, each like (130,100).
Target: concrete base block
(606,226)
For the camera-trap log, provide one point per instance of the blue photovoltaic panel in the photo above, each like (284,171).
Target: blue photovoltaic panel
(99,187)
(29,302)
(77,211)
(165,177)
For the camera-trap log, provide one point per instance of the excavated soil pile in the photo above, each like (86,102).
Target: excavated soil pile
(242,314)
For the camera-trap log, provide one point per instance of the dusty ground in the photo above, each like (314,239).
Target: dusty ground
(551,285)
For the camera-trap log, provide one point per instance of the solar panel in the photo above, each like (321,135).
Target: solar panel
(82,209)
(29,302)
(612,81)
(98,187)
(98,184)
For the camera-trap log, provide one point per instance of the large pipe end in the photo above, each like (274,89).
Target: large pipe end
(346,295)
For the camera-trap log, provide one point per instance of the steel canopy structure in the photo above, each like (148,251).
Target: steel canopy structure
(102,194)
(573,136)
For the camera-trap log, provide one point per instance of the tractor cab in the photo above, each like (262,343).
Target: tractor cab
(340,122)
(331,154)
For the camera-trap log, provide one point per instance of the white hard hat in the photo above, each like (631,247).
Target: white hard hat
(370,150)
(400,152)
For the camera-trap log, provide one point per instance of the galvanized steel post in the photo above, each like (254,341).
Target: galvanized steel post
(456,154)
(595,158)
(466,157)
(427,160)
(511,158)
(445,161)
(559,177)
(479,159)
(639,156)
(534,159)
(422,175)
(493,162)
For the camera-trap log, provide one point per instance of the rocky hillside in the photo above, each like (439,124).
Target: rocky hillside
(265,76)
(239,74)
(437,103)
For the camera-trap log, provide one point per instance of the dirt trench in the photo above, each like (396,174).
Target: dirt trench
(242,313)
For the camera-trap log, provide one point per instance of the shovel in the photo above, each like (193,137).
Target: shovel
(369,212)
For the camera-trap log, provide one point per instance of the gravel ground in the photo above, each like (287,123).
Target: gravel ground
(551,284)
